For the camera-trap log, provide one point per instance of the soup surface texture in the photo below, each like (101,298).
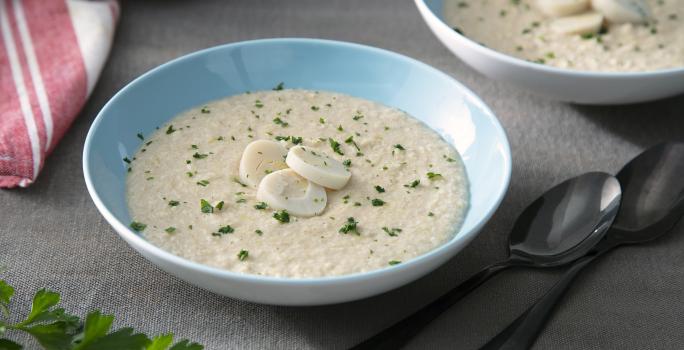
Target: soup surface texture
(407,195)
(520,29)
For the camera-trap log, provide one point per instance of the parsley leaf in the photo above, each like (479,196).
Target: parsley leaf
(261,206)
(243,254)
(205,207)
(413,184)
(379,189)
(377,202)
(350,226)
(283,216)
(335,146)
(434,176)
(138,226)
(170,130)
(279,87)
(394,262)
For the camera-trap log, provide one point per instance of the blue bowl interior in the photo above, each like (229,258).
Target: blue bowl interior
(394,80)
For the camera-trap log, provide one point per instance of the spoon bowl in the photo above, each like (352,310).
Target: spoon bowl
(567,221)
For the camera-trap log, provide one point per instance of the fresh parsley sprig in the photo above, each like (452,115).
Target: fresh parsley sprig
(55,329)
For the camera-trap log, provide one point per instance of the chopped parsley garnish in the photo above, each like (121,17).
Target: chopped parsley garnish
(399,147)
(379,189)
(170,130)
(241,200)
(237,181)
(350,226)
(413,184)
(350,141)
(259,232)
(280,122)
(194,147)
(219,205)
(279,87)
(377,202)
(314,108)
(357,117)
(448,159)
(340,128)
(296,140)
(203,183)
(141,137)
(258,104)
(138,226)
(198,155)
(431,214)
(261,206)
(282,138)
(125,159)
(170,229)
(205,110)
(173,203)
(335,146)
(392,232)
(283,216)
(190,174)
(205,207)
(226,229)
(321,120)
(394,262)
(434,176)
(242,255)
(347,163)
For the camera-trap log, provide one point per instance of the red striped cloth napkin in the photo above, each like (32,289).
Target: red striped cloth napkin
(51,54)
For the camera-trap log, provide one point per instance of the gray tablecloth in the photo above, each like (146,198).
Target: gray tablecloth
(52,236)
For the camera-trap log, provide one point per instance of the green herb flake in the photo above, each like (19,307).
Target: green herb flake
(399,147)
(394,262)
(198,155)
(205,207)
(376,202)
(350,226)
(203,183)
(141,137)
(237,181)
(380,189)
(434,176)
(125,159)
(279,87)
(258,104)
(226,229)
(174,203)
(220,205)
(315,108)
(321,120)
(138,226)
(431,214)
(392,232)
(280,122)
(170,229)
(335,146)
(241,200)
(205,110)
(243,255)
(283,216)
(297,140)
(259,232)
(413,184)
(170,130)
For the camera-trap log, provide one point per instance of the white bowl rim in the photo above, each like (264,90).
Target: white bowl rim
(142,243)
(519,62)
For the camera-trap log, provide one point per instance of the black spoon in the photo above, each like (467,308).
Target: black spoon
(652,203)
(556,229)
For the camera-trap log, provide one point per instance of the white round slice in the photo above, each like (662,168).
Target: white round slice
(561,8)
(260,158)
(623,11)
(588,23)
(317,167)
(286,190)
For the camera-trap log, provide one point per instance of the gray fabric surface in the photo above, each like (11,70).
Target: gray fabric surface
(52,236)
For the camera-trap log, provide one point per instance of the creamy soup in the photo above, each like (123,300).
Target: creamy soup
(407,193)
(523,29)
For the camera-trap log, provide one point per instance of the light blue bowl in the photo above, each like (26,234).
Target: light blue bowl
(386,77)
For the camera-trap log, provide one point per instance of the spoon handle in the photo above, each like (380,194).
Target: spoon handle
(401,332)
(522,333)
